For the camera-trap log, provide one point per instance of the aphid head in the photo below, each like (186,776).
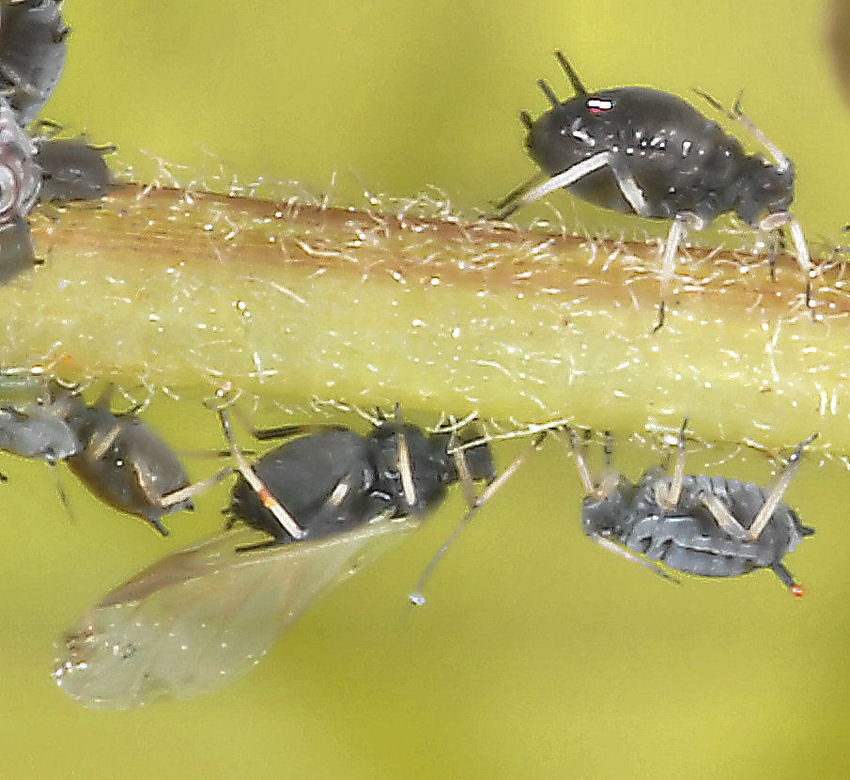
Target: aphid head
(604,509)
(608,498)
(765,188)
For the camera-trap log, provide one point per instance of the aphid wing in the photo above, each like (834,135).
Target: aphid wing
(203,616)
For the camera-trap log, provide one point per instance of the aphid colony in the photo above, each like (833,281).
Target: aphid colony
(33,164)
(311,510)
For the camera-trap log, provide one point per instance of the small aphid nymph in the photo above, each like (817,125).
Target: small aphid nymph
(646,152)
(707,526)
(127,464)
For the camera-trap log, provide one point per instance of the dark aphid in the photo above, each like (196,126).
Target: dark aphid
(72,169)
(39,430)
(127,464)
(334,481)
(331,500)
(33,49)
(642,151)
(709,526)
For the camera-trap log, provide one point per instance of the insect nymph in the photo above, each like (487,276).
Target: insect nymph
(642,151)
(708,526)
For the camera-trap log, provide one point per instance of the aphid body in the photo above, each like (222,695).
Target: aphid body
(647,152)
(330,482)
(38,430)
(330,500)
(127,464)
(71,169)
(702,525)
(33,50)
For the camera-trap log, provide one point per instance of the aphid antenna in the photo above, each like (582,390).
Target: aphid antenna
(530,430)
(268,500)
(450,423)
(417,597)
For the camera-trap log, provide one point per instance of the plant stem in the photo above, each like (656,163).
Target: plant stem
(189,291)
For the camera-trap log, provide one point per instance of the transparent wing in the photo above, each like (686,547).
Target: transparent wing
(203,616)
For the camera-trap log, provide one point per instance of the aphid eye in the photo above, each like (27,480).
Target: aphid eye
(597,105)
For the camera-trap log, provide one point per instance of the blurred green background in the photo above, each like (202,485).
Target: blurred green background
(539,654)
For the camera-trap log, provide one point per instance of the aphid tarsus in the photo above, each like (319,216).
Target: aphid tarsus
(708,526)
(642,151)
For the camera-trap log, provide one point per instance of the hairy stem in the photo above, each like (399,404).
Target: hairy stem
(182,290)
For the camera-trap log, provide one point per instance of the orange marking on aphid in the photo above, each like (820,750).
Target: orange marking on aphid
(798,590)
(267,498)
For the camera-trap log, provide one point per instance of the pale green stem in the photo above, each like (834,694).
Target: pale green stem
(191,291)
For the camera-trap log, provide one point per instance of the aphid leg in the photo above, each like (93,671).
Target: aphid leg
(287,522)
(777,491)
(629,188)
(287,431)
(512,201)
(781,219)
(580,453)
(571,74)
(625,552)
(405,468)
(669,496)
(610,476)
(183,494)
(559,180)
(722,516)
(787,579)
(416,597)
(756,132)
(462,468)
(60,490)
(678,230)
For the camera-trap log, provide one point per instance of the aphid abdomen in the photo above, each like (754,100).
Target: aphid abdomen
(321,480)
(689,538)
(135,471)
(33,50)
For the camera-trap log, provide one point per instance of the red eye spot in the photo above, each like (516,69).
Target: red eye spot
(798,591)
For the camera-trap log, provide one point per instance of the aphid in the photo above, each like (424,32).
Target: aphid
(128,465)
(38,430)
(643,151)
(332,481)
(709,526)
(72,169)
(204,616)
(33,49)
